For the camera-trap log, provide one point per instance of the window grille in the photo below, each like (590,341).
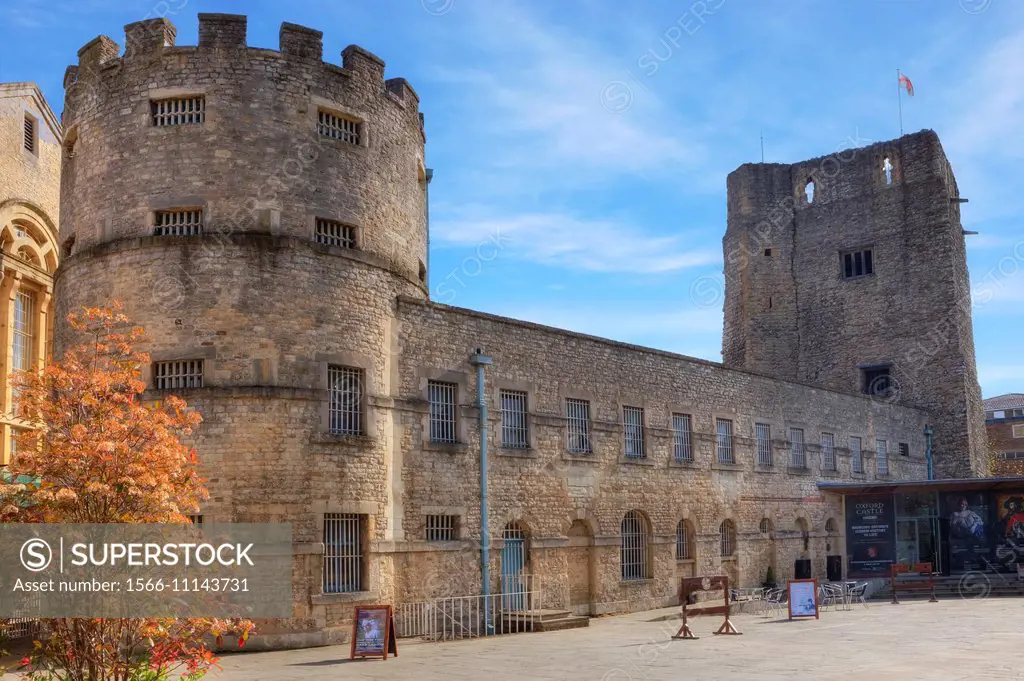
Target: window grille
(185,373)
(331,233)
(345,385)
(195,518)
(683,543)
(904,449)
(337,127)
(763,436)
(856,456)
(682,443)
(882,457)
(766,528)
(828,451)
(343,552)
(723,441)
(30,134)
(858,264)
(634,546)
(514,431)
(830,527)
(178,222)
(178,111)
(24,320)
(798,457)
(577,414)
(633,418)
(441,527)
(726,539)
(441,397)
(877,382)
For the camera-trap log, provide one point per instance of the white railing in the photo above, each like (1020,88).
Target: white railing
(517,608)
(26,625)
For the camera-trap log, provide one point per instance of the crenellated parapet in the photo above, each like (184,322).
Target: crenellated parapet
(269,141)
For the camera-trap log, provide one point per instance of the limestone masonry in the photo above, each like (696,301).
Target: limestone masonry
(264,215)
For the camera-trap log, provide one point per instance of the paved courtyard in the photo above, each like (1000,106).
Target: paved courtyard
(961,639)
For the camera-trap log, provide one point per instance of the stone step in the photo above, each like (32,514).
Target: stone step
(570,622)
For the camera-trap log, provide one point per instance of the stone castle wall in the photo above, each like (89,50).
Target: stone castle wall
(789,312)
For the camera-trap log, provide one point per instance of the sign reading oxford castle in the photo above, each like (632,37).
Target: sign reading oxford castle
(263,214)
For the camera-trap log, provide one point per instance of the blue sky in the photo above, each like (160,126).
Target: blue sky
(591,139)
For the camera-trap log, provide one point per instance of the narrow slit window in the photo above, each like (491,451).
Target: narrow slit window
(887,170)
(809,190)
(30,134)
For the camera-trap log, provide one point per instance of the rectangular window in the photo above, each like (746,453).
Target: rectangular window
(331,233)
(24,321)
(856,455)
(442,528)
(178,111)
(633,418)
(337,127)
(828,451)
(858,264)
(797,455)
(876,381)
(195,518)
(183,373)
(187,222)
(345,410)
(1006,456)
(1018,431)
(30,134)
(904,449)
(723,441)
(998,414)
(441,397)
(514,432)
(343,552)
(882,457)
(763,436)
(682,437)
(577,414)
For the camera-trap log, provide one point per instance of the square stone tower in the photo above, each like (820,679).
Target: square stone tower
(850,272)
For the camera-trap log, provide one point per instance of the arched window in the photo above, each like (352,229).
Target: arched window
(831,529)
(809,190)
(766,528)
(634,553)
(726,539)
(684,541)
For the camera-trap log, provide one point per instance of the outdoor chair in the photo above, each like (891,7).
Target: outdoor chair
(858,593)
(774,600)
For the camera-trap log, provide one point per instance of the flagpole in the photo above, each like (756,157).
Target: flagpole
(899,99)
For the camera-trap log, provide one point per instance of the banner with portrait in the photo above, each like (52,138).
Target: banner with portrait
(870,540)
(971,537)
(1009,530)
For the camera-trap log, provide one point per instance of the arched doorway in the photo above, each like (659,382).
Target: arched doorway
(515,558)
(802,565)
(768,567)
(580,559)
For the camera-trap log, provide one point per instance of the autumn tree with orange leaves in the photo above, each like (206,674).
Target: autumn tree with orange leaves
(101,454)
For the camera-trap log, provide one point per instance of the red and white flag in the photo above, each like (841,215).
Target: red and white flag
(905,82)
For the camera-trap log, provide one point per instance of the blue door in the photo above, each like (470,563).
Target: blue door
(513,573)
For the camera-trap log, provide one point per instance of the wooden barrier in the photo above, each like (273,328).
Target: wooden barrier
(924,569)
(691,585)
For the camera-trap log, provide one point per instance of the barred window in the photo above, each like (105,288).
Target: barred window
(682,437)
(343,552)
(684,541)
(766,528)
(763,436)
(441,397)
(178,110)
(904,449)
(514,431)
(633,418)
(30,134)
(797,455)
(856,455)
(184,373)
(442,527)
(726,539)
(332,233)
(345,411)
(633,549)
(577,413)
(723,441)
(858,264)
(882,457)
(828,451)
(186,222)
(195,518)
(337,127)
(24,321)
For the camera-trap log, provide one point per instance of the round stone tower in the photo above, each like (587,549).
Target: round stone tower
(258,212)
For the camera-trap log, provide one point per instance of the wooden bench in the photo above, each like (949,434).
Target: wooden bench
(922,570)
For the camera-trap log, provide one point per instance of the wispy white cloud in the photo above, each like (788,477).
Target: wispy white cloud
(595,245)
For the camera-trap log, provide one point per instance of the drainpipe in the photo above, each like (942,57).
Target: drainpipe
(928,452)
(480,360)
